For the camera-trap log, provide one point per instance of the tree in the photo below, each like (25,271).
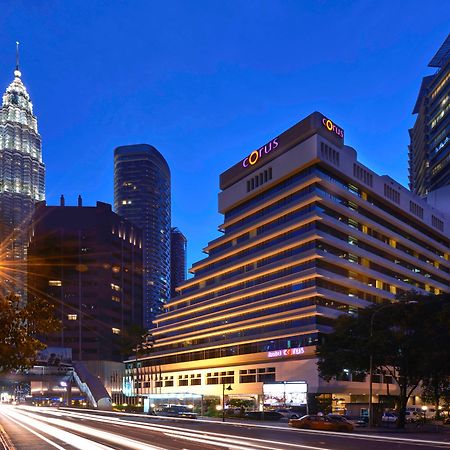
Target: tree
(398,336)
(20,328)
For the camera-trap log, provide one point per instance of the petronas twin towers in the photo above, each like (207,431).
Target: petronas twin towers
(22,182)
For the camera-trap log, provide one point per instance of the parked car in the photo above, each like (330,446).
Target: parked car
(260,415)
(324,423)
(389,417)
(176,411)
(412,416)
(356,421)
(288,413)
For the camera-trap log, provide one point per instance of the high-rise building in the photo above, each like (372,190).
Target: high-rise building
(178,247)
(88,262)
(429,149)
(142,195)
(22,175)
(309,233)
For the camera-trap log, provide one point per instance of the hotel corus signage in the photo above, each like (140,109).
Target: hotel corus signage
(256,155)
(330,126)
(286,352)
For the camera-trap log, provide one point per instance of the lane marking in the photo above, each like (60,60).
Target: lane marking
(5,440)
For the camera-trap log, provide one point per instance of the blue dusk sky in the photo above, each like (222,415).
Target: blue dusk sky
(206,82)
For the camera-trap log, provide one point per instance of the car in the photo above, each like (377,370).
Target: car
(288,413)
(412,416)
(263,415)
(389,417)
(181,411)
(324,423)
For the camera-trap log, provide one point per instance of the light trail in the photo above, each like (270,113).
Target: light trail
(343,435)
(206,437)
(37,421)
(31,425)
(62,419)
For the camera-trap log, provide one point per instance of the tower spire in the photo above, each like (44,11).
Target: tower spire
(17,72)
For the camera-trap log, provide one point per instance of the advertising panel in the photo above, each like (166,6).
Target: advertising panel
(285,394)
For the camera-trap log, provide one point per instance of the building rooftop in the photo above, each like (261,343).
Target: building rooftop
(442,55)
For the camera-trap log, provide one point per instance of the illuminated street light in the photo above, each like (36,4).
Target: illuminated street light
(229,388)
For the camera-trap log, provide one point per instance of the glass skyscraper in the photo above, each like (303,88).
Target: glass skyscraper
(22,175)
(429,150)
(178,247)
(142,196)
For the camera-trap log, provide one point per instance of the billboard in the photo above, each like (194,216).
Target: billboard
(54,356)
(285,394)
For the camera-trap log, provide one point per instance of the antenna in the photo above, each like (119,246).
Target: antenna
(17,55)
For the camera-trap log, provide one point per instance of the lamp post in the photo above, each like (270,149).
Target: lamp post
(229,388)
(146,344)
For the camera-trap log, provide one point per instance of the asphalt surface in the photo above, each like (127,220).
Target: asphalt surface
(31,428)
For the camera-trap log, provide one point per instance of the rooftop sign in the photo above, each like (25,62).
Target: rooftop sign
(330,126)
(255,156)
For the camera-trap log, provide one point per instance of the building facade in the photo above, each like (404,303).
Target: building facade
(309,233)
(178,249)
(142,196)
(22,175)
(429,150)
(88,262)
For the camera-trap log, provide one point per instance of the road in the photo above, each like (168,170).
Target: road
(31,428)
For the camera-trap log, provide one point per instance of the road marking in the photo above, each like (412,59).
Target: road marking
(5,440)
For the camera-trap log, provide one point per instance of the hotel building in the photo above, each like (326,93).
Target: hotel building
(309,233)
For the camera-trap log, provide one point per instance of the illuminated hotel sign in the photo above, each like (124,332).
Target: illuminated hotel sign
(255,156)
(330,126)
(286,352)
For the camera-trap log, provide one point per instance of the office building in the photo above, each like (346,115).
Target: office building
(429,149)
(88,261)
(178,248)
(22,175)
(309,233)
(142,196)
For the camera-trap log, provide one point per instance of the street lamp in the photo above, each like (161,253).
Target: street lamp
(229,388)
(371,356)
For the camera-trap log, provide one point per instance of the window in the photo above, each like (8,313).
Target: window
(115,287)
(55,283)
(115,330)
(72,317)
(116,299)
(259,179)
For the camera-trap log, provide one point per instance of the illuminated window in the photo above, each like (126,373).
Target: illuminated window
(116,269)
(115,299)
(115,287)
(72,317)
(115,330)
(54,283)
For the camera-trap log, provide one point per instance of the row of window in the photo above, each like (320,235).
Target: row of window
(259,179)
(267,345)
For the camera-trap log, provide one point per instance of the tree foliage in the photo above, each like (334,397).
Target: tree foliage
(409,339)
(20,328)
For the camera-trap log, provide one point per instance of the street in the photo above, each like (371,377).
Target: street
(48,428)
